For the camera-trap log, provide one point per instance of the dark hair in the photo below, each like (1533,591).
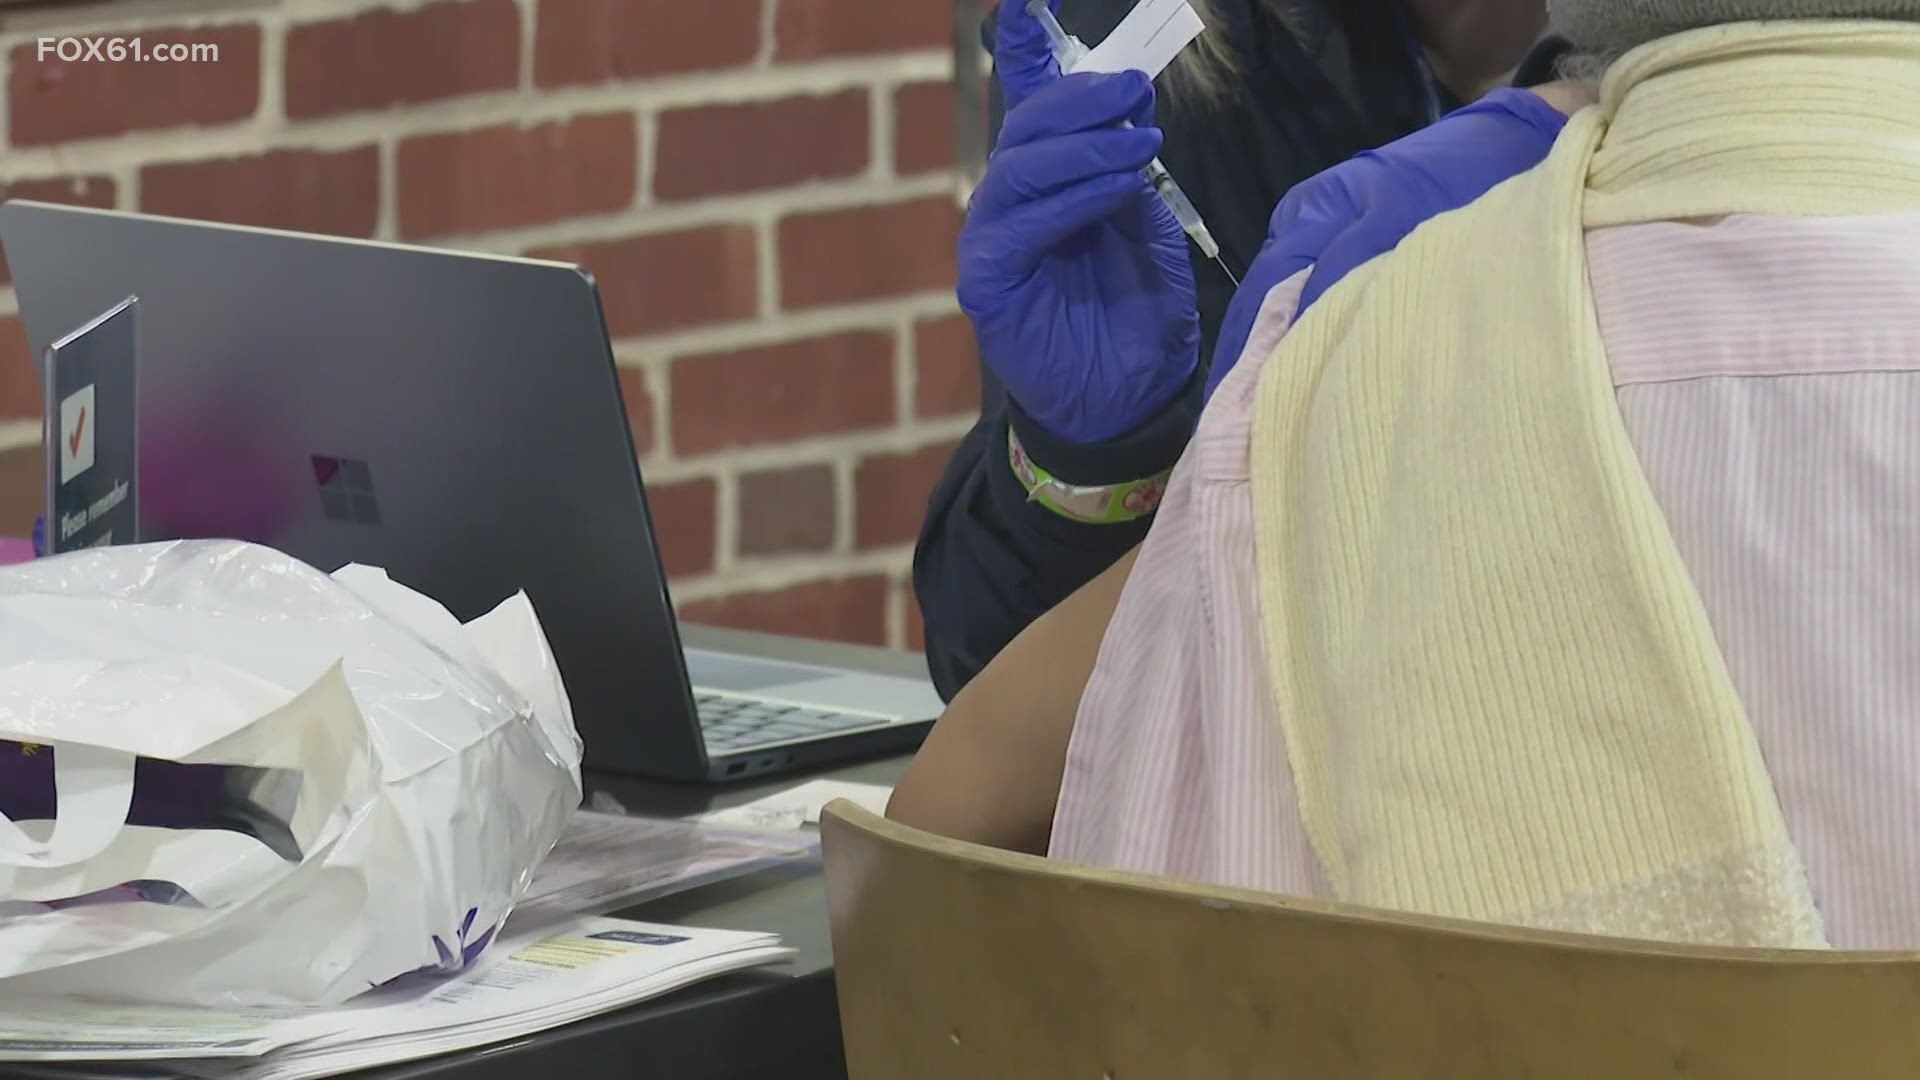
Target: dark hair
(1204,73)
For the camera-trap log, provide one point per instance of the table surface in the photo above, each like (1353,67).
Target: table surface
(778,1022)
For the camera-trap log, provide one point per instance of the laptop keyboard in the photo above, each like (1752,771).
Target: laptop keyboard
(738,723)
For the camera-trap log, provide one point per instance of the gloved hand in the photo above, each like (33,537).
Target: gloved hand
(1076,278)
(1344,217)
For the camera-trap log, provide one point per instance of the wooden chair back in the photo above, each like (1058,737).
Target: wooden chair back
(960,962)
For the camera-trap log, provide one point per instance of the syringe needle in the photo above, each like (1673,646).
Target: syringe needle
(1068,52)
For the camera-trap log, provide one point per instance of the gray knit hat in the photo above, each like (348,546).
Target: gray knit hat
(1622,24)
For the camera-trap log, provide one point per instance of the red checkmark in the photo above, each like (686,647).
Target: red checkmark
(73,437)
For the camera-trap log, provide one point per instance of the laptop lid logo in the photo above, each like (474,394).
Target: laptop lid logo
(346,490)
(76,427)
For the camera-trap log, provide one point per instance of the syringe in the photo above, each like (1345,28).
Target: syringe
(1068,51)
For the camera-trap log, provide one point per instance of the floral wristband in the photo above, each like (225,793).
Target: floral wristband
(1107,504)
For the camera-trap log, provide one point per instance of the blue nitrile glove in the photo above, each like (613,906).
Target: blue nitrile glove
(1348,215)
(1074,275)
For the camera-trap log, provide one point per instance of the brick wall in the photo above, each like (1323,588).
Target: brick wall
(764,189)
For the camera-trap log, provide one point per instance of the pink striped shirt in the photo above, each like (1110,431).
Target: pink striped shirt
(1768,371)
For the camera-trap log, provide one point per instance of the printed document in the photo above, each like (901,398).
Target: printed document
(537,977)
(800,806)
(605,862)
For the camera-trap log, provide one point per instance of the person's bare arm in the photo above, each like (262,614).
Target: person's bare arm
(990,770)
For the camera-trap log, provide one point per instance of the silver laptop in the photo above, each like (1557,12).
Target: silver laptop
(456,419)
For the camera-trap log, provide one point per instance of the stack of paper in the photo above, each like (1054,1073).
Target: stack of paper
(605,862)
(797,807)
(533,979)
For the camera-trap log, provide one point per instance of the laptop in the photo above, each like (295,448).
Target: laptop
(455,419)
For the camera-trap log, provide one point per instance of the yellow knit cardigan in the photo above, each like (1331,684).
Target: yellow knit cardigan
(1501,696)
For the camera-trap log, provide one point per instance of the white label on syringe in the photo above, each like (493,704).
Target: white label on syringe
(1147,39)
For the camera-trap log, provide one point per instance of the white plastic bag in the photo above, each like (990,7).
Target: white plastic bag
(400,776)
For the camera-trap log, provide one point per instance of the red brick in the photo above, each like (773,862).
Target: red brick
(685,517)
(868,252)
(946,379)
(633,391)
(721,149)
(590,41)
(787,510)
(19,386)
(505,177)
(95,191)
(780,393)
(383,57)
(923,128)
(851,609)
(672,281)
(813,29)
(57,101)
(333,192)
(22,490)
(890,495)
